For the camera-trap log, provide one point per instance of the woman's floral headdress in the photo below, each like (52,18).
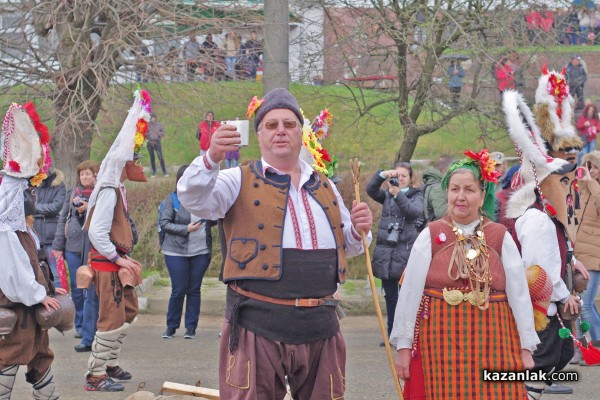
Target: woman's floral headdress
(31,157)
(312,135)
(487,166)
(142,123)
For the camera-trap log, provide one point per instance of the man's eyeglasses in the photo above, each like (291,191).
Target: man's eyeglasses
(273,124)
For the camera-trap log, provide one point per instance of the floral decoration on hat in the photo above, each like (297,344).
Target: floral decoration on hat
(142,123)
(321,124)
(486,165)
(253,106)
(312,134)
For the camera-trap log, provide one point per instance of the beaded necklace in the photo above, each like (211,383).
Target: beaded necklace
(471,257)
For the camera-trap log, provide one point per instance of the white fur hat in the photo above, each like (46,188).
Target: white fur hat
(554,111)
(536,164)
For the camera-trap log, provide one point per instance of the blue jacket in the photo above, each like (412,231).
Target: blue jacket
(455,80)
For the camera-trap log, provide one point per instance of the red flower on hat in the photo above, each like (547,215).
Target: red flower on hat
(142,126)
(253,106)
(486,165)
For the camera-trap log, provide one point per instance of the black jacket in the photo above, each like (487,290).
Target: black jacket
(49,200)
(405,210)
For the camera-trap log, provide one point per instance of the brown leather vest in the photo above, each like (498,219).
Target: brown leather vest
(120,232)
(30,248)
(438,278)
(253,226)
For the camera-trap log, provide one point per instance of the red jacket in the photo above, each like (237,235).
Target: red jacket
(206,132)
(588,133)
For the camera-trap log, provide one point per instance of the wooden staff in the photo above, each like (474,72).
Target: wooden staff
(355,165)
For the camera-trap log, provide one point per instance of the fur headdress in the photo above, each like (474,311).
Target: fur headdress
(554,112)
(536,164)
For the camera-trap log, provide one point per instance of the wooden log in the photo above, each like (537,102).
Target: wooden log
(179,388)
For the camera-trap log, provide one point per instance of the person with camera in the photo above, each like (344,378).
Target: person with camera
(72,243)
(586,244)
(187,247)
(401,214)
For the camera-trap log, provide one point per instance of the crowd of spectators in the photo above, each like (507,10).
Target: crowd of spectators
(575,25)
(235,58)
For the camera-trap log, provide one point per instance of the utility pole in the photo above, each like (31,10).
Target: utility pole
(276,52)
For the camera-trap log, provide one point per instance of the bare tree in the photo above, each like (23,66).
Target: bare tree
(404,47)
(73,52)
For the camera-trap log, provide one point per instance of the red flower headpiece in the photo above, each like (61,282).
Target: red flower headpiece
(486,165)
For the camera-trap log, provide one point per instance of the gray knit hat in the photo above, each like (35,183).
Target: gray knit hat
(277,98)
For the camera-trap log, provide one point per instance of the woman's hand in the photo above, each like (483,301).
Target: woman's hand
(194,226)
(585,174)
(50,303)
(83,207)
(578,266)
(394,190)
(60,290)
(403,357)
(390,173)
(527,359)
(57,254)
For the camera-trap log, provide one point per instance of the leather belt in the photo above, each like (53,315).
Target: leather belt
(325,301)
(457,296)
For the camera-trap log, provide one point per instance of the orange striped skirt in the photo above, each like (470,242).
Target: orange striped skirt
(457,342)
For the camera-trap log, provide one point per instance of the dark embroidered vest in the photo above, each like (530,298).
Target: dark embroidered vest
(120,232)
(253,226)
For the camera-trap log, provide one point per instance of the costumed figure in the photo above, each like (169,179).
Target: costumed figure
(26,284)
(553,112)
(110,231)
(465,305)
(287,234)
(544,206)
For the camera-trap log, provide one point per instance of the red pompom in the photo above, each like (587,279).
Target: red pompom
(590,354)
(14,166)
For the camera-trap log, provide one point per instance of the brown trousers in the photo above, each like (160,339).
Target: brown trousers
(257,369)
(117,304)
